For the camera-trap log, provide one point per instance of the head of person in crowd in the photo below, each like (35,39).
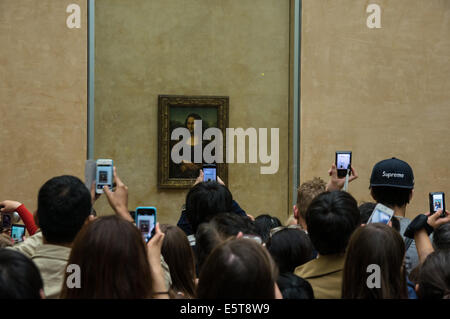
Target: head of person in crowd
(294,287)
(331,218)
(112,259)
(290,247)
(64,205)
(238,269)
(205,200)
(221,227)
(366,210)
(434,276)
(392,184)
(441,237)
(19,277)
(179,257)
(264,223)
(305,194)
(379,250)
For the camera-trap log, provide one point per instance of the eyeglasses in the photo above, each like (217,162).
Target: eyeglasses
(275,230)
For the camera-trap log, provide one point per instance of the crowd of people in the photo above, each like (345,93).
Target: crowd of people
(326,249)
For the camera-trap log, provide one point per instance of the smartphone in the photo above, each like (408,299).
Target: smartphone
(104,175)
(17,232)
(381,214)
(437,202)
(146,221)
(6,220)
(343,162)
(209,172)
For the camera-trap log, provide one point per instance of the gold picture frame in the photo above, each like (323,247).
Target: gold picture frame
(174,111)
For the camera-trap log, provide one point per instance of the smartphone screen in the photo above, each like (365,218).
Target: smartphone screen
(343,161)
(104,174)
(381,215)
(17,232)
(209,174)
(437,202)
(146,221)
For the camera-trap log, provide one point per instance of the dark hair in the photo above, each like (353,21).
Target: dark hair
(375,244)
(112,257)
(391,196)
(206,239)
(179,256)
(238,269)
(19,276)
(194,115)
(294,287)
(331,219)
(434,276)
(230,224)
(205,200)
(441,237)
(264,223)
(366,210)
(290,248)
(221,227)
(64,203)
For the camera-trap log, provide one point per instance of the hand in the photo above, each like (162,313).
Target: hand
(337,183)
(435,220)
(118,199)
(220,181)
(154,246)
(94,195)
(9,206)
(200,178)
(154,259)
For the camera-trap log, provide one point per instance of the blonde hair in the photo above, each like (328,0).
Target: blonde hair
(307,192)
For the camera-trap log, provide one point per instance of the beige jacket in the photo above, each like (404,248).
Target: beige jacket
(325,275)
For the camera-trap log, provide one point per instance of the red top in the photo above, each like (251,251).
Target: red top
(28,219)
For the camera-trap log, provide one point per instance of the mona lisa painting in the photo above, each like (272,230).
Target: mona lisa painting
(191,115)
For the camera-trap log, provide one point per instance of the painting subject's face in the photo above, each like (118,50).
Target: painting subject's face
(190,125)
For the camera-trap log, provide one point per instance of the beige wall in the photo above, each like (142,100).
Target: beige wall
(43,96)
(378,92)
(238,49)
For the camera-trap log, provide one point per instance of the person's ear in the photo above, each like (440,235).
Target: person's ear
(41,293)
(416,288)
(295,211)
(411,194)
(239,235)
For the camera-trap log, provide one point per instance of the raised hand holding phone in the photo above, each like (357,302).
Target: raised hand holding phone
(336,183)
(118,199)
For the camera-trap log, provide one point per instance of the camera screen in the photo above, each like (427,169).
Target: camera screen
(6,221)
(104,175)
(146,223)
(17,233)
(209,174)
(437,202)
(380,217)
(343,160)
